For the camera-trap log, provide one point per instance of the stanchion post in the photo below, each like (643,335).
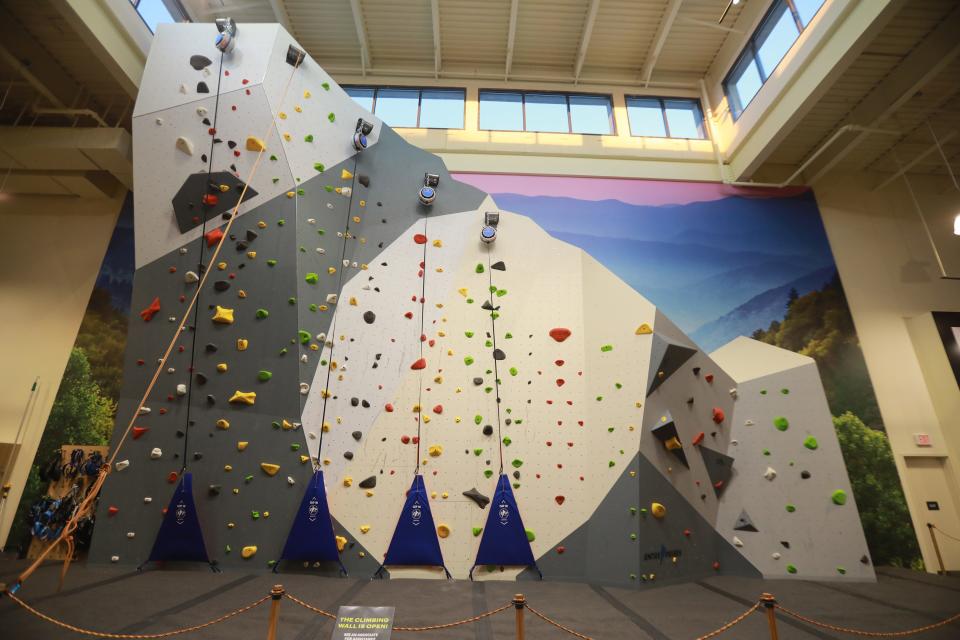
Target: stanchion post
(769,603)
(276,594)
(519,603)
(936,547)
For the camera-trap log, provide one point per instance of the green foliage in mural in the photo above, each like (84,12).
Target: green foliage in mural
(819,325)
(876,487)
(103,337)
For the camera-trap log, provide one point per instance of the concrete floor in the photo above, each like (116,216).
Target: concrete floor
(117,600)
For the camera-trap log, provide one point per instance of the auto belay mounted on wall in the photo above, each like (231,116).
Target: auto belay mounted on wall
(428,192)
(360,134)
(227,38)
(489,231)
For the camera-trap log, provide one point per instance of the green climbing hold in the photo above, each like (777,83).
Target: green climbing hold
(275,180)
(488,473)
(633,511)
(326,85)
(477,419)
(469,300)
(791,508)
(606,347)
(618,385)
(763,392)
(842,570)
(633,536)
(304,336)
(766,452)
(480,268)
(810,443)
(314,307)
(517,463)
(469,334)
(599,398)
(281,221)
(328,188)
(264,375)
(513,371)
(488,343)
(331,116)
(271,262)
(508,336)
(291,300)
(294,446)
(785,391)
(477,452)
(781,423)
(255,515)
(791,568)
(531,536)
(312,278)
(477,531)
(494,314)
(468,360)
(493,288)
(318,166)
(506,441)
(283,351)
(839,497)
(611,463)
(262,313)
(501,292)
(308,137)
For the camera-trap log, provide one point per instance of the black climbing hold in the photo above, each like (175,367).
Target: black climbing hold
(197,455)
(864,559)
(295,56)
(498,354)
(487,430)
(201,378)
(364,180)
(202,87)
(486,306)
(365,404)
(211,400)
(499,266)
(181,433)
(348,455)
(369,483)
(215,489)
(242,245)
(205,121)
(690,400)
(369,317)
(516,474)
(805,474)
(231,144)
(199,62)
(478,381)
(357,435)
(696,371)
(480,499)
(785,543)
(354,402)
(221,285)
(251,235)
(508,422)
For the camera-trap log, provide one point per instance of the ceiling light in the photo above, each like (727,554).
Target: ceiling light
(956,225)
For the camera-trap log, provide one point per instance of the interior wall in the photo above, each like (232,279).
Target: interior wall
(52,258)
(893,281)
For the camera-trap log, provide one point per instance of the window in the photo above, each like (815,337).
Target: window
(545,112)
(155,12)
(412,107)
(665,118)
(768,45)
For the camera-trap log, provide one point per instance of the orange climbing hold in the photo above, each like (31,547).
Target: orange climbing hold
(148,313)
(419,238)
(112,510)
(718,415)
(388,408)
(419,364)
(213,237)
(697,439)
(559,334)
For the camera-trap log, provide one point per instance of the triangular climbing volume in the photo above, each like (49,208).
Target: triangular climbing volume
(504,541)
(180,537)
(311,537)
(415,541)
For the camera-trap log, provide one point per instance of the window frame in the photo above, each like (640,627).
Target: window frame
(662,102)
(750,52)
(419,89)
(566,95)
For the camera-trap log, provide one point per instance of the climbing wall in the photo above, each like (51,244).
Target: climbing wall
(348,327)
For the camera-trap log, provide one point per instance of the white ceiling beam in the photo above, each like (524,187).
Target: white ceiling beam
(435,19)
(511,36)
(280,12)
(585,38)
(666,23)
(361,35)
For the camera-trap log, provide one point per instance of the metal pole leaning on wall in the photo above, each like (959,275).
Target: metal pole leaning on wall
(519,602)
(276,594)
(936,547)
(769,602)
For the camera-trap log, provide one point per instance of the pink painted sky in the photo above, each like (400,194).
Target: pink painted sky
(632,191)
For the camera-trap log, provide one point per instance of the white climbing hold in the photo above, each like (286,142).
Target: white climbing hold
(737,542)
(770,473)
(733,392)
(329,205)
(321,250)
(355,264)
(131,534)
(303,358)
(312,435)
(114,558)
(143,411)
(183,251)
(181,389)
(290,480)
(734,442)
(184,144)
(366,287)
(183,88)
(201,111)
(156,453)
(190,277)
(321,337)
(147,500)
(123,464)
(748,423)
(346,263)
(159,121)
(311,221)
(775,555)
(304,388)
(331,298)
(346,191)
(170,370)
(172,319)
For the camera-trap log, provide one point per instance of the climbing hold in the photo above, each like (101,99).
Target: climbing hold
(607,347)
(368,483)
(419,364)
(262,313)
(839,497)
(243,397)
(269,468)
(481,500)
(264,375)
(517,463)
(791,568)
(223,423)
(737,542)
(559,499)
(790,508)
(658,510)
(443,530)
(369,317)
(477,531)
(150,311)
(435,450)
(810,443)
(255,144)
(156,453)
(242,444)
(312,278)
(222,315)
(531,536)
(248,552)
(559,334)
(718,415)
(199,62)
(781,423)
(364,528)
(185,145)
(242,344)
(643,329)
(770,473)
(139,431)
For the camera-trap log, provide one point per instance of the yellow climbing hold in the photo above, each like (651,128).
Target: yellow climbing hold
(241,293)
(222,367)
(369,493)
(251,254)
(261,224)
(242,344)
(462,292)
(248,552)
(283,116)
(241,445)
(228,467)
(345,175)
(255,144)
(364,528)
(291,194)
(222,315)
(658,510)
(331,270)
(306,94)
(286,425)
(353,301)
(243,397)
(341,543)
(643,330)
(269,468)
(347,481)
(443,530)
(304,459)
(435,450)
(437,243)
(221,266)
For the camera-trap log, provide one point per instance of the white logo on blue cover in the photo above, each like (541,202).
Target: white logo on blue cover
(416,512)
(313,509)
(180,512)
(504,512)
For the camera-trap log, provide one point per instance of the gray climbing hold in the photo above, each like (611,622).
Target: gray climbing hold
(499,266)
(368,483)
(744,522)
(478,381)
(199,62)
(364,180)
(498,354)
(481,500)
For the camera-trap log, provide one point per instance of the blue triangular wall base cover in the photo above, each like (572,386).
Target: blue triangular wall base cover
(504,541)
(415,541)
(180,537)
(311,537)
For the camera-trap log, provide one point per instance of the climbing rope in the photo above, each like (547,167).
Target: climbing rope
(432,627)
(944,533)
(496,372)
(94,490)
(870,634)
(138,636)
(421,338)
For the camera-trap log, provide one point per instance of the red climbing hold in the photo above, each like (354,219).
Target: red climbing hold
(559,499)
(718,415)
(559,334)
(561,549)
(560,382)
(716,565)
(419,238)
(408,315)
(687,532)
(213,237)
(388,408)
(148,313)
(438,409)
(210,199)
(708,377)
(172,477)
(697,439)
(419,364)
(405,439)
(559,363)
(112,510)
(139,431)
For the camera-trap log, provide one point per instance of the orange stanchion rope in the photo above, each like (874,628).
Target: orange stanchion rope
(432,627)
(136,636)
(869,634)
